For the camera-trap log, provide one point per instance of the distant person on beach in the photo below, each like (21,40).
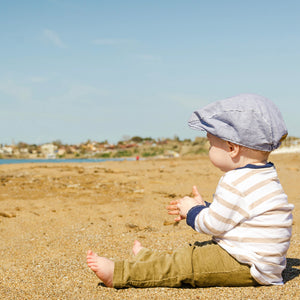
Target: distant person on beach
(249,219)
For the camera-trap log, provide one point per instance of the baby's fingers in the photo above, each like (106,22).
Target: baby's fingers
(195,191)
(172,207)
(174,202)
(173,212)
(179,218)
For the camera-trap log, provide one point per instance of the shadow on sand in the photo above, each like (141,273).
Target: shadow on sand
(290,273)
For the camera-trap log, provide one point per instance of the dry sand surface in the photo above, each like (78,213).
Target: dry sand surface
(51,214)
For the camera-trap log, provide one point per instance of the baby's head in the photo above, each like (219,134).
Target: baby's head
(251,122)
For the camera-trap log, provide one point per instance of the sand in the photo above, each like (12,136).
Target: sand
(51,214)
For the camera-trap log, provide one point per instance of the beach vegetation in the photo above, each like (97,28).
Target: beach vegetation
(201,141)
(137,139)
(201,151)
(153,152)
(148,154)
(122,153)
(34,149)
(57,143)
(176,138)
(149,139)
(82,149)
(21,145)
(187,141)
(103,155)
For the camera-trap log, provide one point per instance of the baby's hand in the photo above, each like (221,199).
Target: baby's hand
(181,207)
(173,209)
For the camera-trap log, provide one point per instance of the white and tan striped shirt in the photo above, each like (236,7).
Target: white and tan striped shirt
(251,219)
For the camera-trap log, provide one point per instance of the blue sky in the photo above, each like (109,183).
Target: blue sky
(77,70)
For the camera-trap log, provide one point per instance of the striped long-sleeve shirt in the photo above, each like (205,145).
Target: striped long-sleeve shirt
(251,219)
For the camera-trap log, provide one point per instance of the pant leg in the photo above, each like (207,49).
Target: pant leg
(213,266)
(202,264)
(154,269)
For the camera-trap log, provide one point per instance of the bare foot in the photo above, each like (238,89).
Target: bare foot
(102,266)
(137,246)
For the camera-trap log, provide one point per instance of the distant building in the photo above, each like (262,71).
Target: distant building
(24,151)
(8,150)
(61,151)
(48,150)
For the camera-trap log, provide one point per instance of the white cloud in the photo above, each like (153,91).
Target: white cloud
(18,92)
(54,38)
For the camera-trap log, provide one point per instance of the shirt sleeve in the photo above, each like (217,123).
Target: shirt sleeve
(193,212)
(222,215)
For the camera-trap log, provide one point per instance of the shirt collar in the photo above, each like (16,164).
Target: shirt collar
(250,166)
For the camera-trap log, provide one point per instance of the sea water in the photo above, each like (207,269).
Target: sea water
(60,160)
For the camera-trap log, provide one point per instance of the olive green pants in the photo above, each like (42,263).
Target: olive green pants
(202,264)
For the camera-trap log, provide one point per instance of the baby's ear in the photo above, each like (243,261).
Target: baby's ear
(230,145)
(233,148)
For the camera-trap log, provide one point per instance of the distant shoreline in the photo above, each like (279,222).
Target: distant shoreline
(7,161)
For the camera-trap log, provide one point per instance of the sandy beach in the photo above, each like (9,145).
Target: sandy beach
(51,214)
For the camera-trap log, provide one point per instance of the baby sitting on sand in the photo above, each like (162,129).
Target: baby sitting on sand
(249,219)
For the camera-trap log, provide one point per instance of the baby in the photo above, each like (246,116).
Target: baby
(249,219)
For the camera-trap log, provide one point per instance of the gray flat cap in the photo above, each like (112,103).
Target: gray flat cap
(247,119)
